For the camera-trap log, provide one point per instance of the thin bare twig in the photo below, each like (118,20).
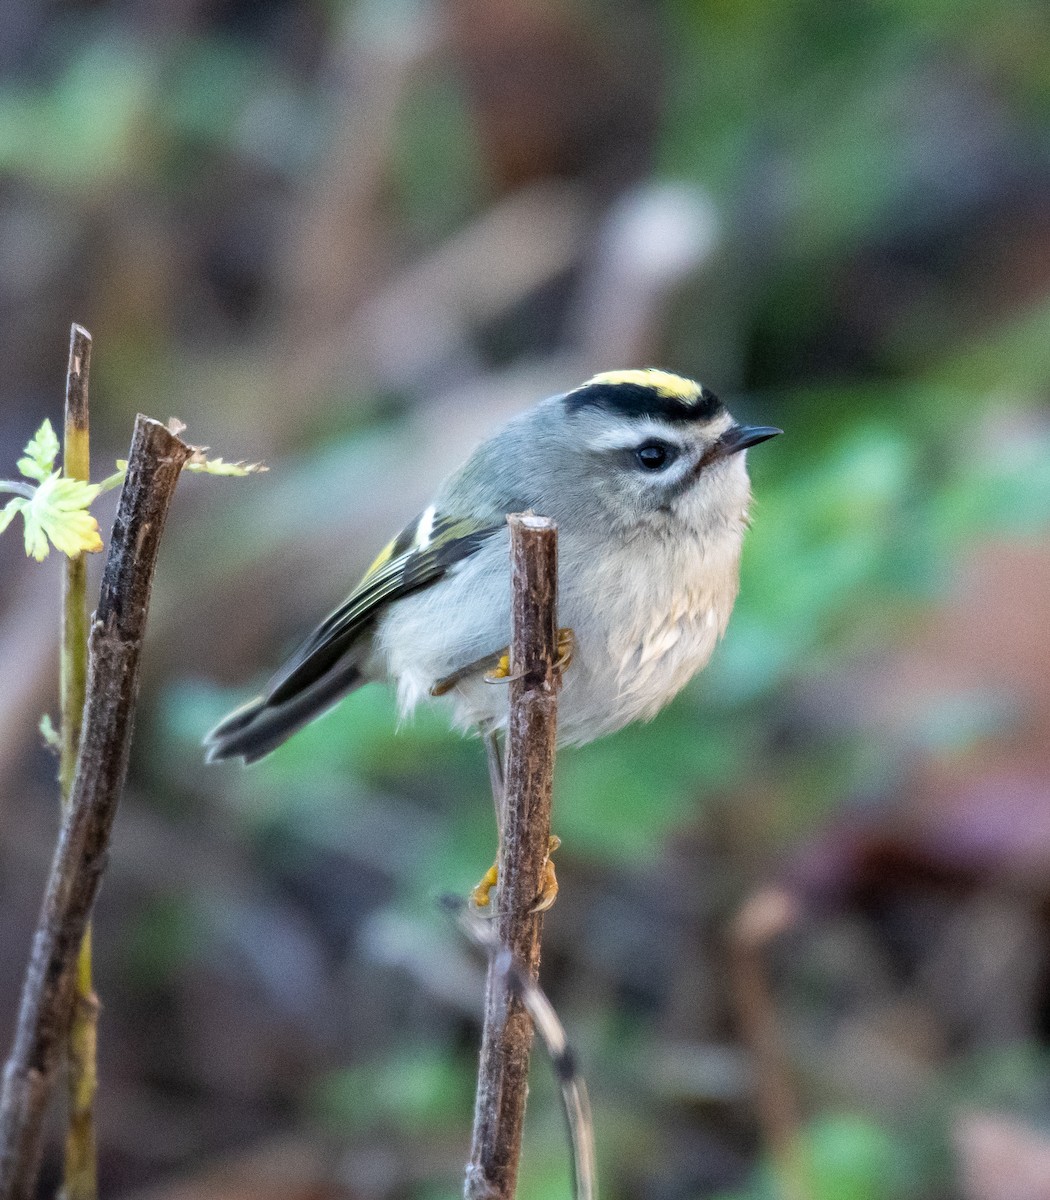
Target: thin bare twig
(499,1110)
(76,464)
(575,1100)
(155,460)
(80,1176)
(766,915)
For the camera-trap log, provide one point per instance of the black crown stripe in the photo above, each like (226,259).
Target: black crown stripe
(637,400)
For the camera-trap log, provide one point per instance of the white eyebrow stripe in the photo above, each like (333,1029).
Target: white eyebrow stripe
(626,435)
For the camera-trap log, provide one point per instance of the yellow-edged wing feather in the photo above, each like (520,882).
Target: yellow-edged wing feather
(419,556)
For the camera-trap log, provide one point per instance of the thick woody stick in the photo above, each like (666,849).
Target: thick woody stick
(155,460)
(499,1111)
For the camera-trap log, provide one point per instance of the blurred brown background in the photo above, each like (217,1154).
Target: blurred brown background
(350,239)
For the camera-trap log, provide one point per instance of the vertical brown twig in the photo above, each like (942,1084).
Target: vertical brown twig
(155,460)
(767,914)
(76,464)
(499,1111)
(552,1033)
(80,1175)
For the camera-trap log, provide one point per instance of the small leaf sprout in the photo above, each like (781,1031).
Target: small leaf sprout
(55,508)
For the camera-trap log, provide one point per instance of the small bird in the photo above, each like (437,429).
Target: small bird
(644,473)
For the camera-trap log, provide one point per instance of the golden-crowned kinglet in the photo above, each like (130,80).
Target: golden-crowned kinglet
(643,472)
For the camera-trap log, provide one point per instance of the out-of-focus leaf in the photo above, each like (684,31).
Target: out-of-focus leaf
(545,1166)
(81,130)
(821,541)
(841,1157)
(7,513)
(435,156)
(212,82)
(852,1158)
(51,736)
(1013,360)
(412,1088)
(1013,1078)
(1004,487)
(618,798)
(169,932)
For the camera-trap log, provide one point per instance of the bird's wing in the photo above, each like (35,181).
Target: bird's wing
(419,556)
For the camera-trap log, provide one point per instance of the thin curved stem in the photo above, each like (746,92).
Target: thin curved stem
(18,488)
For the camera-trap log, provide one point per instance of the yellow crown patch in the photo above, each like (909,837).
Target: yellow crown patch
(664,383)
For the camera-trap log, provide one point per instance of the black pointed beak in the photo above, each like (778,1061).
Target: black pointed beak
(739,437)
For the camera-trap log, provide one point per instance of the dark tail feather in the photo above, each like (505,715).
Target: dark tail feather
(252,731)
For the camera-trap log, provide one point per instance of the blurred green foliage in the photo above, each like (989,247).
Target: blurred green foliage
(416,1087)
(843,1157)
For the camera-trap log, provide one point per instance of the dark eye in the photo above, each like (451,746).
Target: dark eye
(654,456)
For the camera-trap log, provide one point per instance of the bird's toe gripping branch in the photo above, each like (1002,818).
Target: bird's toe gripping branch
(481,895)
(566,647)
(549,887)
(500,673)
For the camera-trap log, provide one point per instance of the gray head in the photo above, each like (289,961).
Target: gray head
(640,448)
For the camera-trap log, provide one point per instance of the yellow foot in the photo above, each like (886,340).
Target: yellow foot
(500,673)
(566,647)
(480,896)
(549,884)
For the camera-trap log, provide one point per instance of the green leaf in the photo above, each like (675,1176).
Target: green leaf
(203,465)
(58,514)
(49,733)
(40,453)
(7,513)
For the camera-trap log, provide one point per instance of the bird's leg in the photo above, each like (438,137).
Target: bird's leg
(494,752)
(548,892)
(497,774)
(500,673)
(445,685)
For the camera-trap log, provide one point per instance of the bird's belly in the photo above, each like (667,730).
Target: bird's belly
(635,673)
(635,648)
